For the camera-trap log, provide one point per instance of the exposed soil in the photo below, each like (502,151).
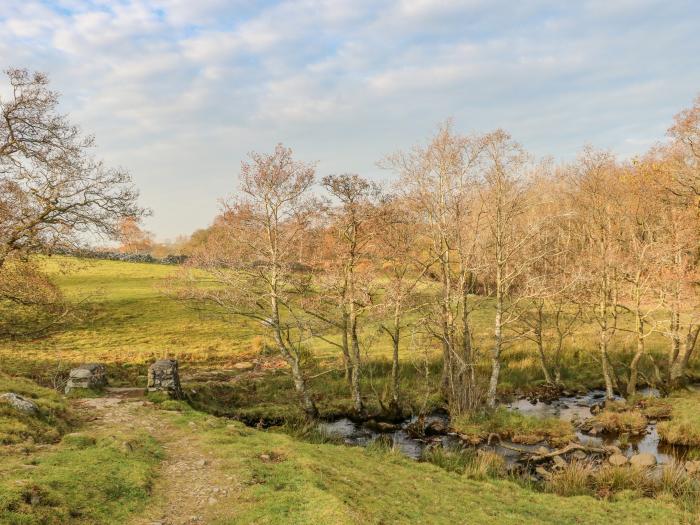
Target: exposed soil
(191,487)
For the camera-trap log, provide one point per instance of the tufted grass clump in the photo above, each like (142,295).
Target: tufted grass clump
(507,424)
(684,426)
(619,421)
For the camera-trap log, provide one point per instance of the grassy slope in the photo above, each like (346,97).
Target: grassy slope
(85,479)
(313,483)
(53,419)
(105,475)
(128,321)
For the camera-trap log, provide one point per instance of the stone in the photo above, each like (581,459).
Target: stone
(692,467)
(617,460)
(88,375)
(436,428)
(559,462)
(20,403)
(163,375)
(579,455)
(596,408)
(643,460)
(244,365)
(596,430)
(543,472)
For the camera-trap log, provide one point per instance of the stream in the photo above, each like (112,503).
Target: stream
(567,408)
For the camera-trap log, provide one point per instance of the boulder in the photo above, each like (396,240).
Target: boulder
(643,460)
(692,467)
(580,455)
(436,428)
(163,375)
(617,460)
(88,375)
(559,462)
(543,472)
(20,403)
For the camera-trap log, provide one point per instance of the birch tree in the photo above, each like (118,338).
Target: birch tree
(246,265)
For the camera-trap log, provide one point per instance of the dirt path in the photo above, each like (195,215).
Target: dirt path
(192,486)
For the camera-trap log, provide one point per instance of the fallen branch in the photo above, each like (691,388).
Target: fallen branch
(542,457)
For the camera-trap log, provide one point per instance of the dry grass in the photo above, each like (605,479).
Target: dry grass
(632,421)
(684,426)
(607,481)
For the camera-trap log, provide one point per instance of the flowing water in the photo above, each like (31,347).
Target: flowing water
(567,408)
(360,434)
(571,408)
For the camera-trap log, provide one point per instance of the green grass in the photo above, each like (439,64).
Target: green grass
(514,426)
(53,419)
(331,484)
(684,426)
(86,479)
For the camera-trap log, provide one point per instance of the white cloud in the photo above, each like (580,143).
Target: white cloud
(178,91)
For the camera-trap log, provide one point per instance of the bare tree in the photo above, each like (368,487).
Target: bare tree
(398,254)
(53,194)
(549,316)
(52,191)
(507,235)
(249,259)
(595,199)
(438,184)
(353,219)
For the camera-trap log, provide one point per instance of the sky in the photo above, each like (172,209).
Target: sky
(179,91)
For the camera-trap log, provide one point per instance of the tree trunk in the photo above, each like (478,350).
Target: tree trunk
(678,367)
(634,368)
(634,365)
(395,356)
(498,344)
(346,350)
(540,347)
(605,362)
(356,361)
(300,386)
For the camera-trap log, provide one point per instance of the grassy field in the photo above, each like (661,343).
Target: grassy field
(126,321)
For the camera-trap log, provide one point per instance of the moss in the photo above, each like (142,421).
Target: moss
(85,479)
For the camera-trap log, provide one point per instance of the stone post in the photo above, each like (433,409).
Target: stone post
(163,375)
(88,375)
